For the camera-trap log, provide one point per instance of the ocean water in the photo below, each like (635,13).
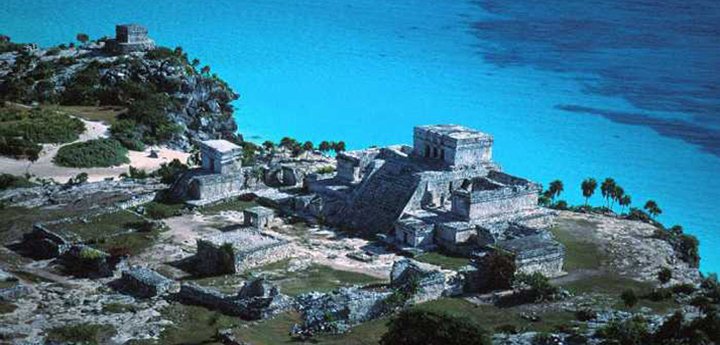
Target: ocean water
(621,88)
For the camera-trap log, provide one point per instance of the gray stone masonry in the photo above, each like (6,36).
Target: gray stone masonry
(130,38)
(145,283)
(338,311)
(236,251)
(256,300)
(220,156)
(536,253)
(258,217)
(455,146)
(430,281)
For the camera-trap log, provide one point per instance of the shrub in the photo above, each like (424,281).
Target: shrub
(633,331)
(127,133)
(685,289)
(412,327)
(325,170)
(136,173)
(8,181)
(78,179)
(156,210)
(540,287)
(82,333)
(585,314)
(169,172)
(507,329)
(659,294)
(664,275)
(93,153)
(501,268)
(629,298)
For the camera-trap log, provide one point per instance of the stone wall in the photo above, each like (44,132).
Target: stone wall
(248,305)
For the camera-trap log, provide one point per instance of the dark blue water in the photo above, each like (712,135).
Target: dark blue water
(622,88)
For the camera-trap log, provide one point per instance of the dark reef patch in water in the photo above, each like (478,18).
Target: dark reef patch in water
(707,139)
(660,56)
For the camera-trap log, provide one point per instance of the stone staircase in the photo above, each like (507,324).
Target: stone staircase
(381,198)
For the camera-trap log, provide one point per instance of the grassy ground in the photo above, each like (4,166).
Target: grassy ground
(444,261)
(106,114)
(231,205)
(111,230)
(581,249)
(82,334)
(314,278)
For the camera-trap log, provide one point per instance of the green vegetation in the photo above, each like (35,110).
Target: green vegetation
(118,232)
(685,245)
(116,308)
(85,333)
(580,250)
(321,278)
(169,172)
(7,307)
(501,270)
(230,205)
(105,114)
(93,153)
(157,210)
(443,260)
(22,130)
(8,181)
(412,327)
(629,298)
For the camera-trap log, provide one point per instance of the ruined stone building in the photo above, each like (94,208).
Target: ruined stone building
(130,38)
(444,191)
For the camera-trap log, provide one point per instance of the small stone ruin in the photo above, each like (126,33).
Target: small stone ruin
(143,282)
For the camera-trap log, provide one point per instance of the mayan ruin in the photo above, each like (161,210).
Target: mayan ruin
(130,38)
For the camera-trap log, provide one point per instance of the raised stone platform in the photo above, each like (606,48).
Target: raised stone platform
(239,250)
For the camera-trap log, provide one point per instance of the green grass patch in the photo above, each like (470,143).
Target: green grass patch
(107,114)
(158,210)
(84,333)
(230,205)
(116,308)
(491,317)
(42,126)
(111,231)
(194,325)
(14,221)
(580,252)
(92,153)
(443,260)
(321,278)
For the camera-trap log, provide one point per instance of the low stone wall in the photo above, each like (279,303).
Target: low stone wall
(263,256)
(338,311)
(248,305)
(144,283)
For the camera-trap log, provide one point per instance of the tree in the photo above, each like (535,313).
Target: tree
(178,51)
(652,208)
(82,38)
(339,146)
(664,275)
(588,187)
(4,38)
(415,327)
(268,145)
(555,189)
(308,146)
(625,201)
(288,143)
(607,188)
(324,146)
(629,298)
(195,63)
(205,70)
(500,270)
(617,193)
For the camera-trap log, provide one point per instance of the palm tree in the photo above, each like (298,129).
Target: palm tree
(195,62)
(268,145)
(205,70)
(324,146)
(607,188)
(555,189)
(652,208)
(617,194)
(82,38)
(339,146)
(625,201)
(308,146)
(588,188)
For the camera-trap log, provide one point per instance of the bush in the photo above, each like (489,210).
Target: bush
(540,287)
(93,153)
(633,331)
(156,210)
(413,327)
(22,130)
(82,333)
(658,295)
(8,181)
(684,289)
(629,298)
(501,269)
(664,275)
(169,172)
(585,314)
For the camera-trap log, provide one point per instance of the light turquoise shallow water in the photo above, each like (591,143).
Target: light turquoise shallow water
(366,71)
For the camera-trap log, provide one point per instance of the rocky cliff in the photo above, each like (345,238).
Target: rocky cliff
(170,99)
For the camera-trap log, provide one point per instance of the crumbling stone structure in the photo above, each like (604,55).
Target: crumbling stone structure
(339,310)
(256,300)
(444,191)
(258,217)
(130,38)
(426,282)
(536,253)
(143,282)
(236,251)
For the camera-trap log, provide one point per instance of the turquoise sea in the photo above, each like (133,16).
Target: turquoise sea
(570,89)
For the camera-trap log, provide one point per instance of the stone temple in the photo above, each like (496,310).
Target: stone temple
(130,38)
(443,192)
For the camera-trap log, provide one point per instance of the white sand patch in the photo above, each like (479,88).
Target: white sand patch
(45,168)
